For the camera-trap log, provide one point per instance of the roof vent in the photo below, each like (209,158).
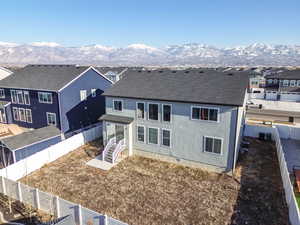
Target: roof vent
(149,71)
(230,74)
(160,71)
(186,71)
(201,71)
(139,71)
(174,71)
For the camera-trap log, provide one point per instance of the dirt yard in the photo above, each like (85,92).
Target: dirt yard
(144,191)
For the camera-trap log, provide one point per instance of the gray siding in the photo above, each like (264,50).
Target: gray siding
(186,135)
(76,113)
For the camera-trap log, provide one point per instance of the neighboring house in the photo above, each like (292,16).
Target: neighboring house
(284,86)
(112,73)
(66,96)
(193,117)
(21,146)
(4,72)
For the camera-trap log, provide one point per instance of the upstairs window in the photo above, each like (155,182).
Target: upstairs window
(118,105)
(93,92)
(153,111)
(13,95)
(292,83)
(26,98)
(45,97)
(20,97)
(286,83)
(167,113)
(209,114)
(2,93)
(213,145)
(83,95)
(140,110)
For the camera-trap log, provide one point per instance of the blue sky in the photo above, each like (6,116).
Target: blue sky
(152,22)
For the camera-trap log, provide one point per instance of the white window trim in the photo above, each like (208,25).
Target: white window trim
(158,139)
(205,107)
(25,98)
(162,114)
(19,91)
(20,119)
(298,83)
(48,113)
(162,138)
(81,95)
(40,92)
(285,84)
(118,100)
(1,89)
(11,96)
(136,110)
(204,145)
(152,103)
(28,110)
(94,92)
(15,109)
(137,132)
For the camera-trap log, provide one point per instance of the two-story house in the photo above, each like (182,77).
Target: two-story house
(66,96)
(284,86)
(193,117)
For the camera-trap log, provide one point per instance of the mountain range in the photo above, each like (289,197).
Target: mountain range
(142,55)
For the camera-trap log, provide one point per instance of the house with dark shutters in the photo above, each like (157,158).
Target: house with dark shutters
(192,117)
(66,96)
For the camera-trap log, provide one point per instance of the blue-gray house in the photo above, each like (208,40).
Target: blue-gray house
(66,96)
(192,117)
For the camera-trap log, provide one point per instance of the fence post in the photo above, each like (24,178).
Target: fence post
(3,185)
(37,198)
(105,219)
(79,214)
(56,202)
(19,192)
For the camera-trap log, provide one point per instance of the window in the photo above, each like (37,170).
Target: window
(153,136)
(270,81)
(167,113)
(140,110)
(140,133)
(166,137)
(13,95)
(93,91)
(45,97)
(51,118)
(2,93)
(83,95)
(298,83)
(153,111)
(286,83)
(292,83)
(212,145)
(22,116)
(20,97)
(16,113)
(275,81)
(199,113)
(28,115)
(118,106)
(26,98)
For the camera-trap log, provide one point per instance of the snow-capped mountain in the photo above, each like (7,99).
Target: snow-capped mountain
(142,55)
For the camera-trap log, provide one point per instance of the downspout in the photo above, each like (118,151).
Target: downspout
(60,116)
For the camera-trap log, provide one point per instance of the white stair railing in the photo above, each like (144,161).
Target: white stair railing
(119,148)
(109,144)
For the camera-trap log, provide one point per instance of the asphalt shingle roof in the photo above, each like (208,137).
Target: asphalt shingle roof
(30,137)
(42,77)
(194,85)
(286,74)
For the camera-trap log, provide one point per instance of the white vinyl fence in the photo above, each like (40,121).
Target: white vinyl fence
(53,204)
(25,166)
(277,133)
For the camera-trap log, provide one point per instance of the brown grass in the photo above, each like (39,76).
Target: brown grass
(140,190)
